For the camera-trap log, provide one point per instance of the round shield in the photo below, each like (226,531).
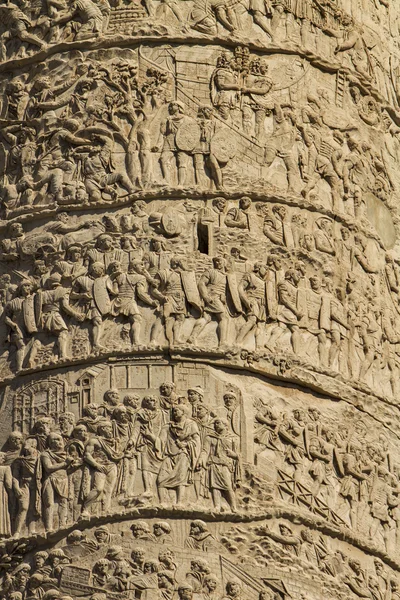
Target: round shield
(171,223)
(188,136)
(223,146)
(32,243)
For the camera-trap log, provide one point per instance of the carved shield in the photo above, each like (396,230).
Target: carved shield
(223,146)
(30,312)
(234,291)
(100,295)
(187,136)
(171,223)
(189,284)
(32,243)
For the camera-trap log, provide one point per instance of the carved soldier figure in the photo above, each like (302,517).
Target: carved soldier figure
(171,290)
(90,297)
(168,143)
(253,294)
(282,143)
(291,308)
(213,289)
(128,289)
(54,302)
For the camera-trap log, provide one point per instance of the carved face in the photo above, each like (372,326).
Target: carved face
(177,413)
(166,389)
(106,431)
(15,440)
(112,397)
(219,426)
(194,396)
(56,442)
(30,447)
(81,433)
(75,254)
(229,401)
(185,593)
(210,583)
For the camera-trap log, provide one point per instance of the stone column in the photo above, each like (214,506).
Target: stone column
(199,299)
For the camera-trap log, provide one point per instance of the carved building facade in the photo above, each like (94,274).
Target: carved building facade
(199,299)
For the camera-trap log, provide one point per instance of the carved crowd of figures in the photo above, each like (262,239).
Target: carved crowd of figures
(285,543)
(174,448)
(350,475)
(102,132)
(321,26)
(327,294)
(150,567)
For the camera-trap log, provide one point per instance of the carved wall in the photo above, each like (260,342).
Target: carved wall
(199,299)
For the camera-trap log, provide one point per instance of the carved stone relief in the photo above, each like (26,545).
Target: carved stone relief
(199,300)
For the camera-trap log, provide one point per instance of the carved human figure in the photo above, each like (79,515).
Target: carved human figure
(102,456)
(55,302)
(253,294)
(281,144)
(169,290)
(128,289)
(149,421)
(221,456)
(55,463)
(180,448)
(213,289)
(20,318)
(26,486)
(170,151)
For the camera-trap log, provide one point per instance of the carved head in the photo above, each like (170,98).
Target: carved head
(55,442)
(230,400)
(66,421)
(198,526)
(104,243)
(176,107)
(30,447)
(80,433)
(74,253)
(245,202)
(185,592)
(90,411)
(195,394)
(15,230)
(131,401)
(138,555)
(57,556)
(219,263)
(167,388)
(15,440)
(111,397)
(233,588)
(219,204)
(139,528)
(178,412)
(105,429)
(210,582)
(176,264)
(202,411)
(102,534)
(220,425)
(160,528)
(149,402)
(150,566)
(40,559)
(101,567)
